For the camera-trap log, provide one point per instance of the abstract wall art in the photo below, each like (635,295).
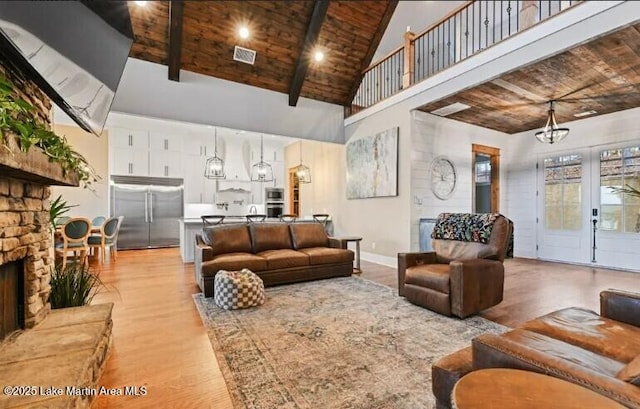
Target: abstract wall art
(372,165)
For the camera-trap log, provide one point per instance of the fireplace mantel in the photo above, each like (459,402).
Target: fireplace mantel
(32,166)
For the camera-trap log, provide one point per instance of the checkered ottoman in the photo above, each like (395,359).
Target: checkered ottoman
(238,289)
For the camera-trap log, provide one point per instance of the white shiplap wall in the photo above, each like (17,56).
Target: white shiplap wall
(434,136)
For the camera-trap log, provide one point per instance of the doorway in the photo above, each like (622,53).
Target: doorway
(486,179)
(581,219)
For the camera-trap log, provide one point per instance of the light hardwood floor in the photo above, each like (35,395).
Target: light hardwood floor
(161,343)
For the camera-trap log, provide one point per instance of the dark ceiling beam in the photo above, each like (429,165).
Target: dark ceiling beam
(373,46)
(313,31)
(176,8)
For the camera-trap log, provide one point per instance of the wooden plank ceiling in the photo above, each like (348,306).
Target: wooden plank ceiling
(602,75)
(349,35)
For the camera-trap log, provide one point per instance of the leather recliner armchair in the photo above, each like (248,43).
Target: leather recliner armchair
(460,277)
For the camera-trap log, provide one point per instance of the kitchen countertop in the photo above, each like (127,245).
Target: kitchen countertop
(241,219)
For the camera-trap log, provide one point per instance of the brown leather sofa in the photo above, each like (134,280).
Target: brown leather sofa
(458,278)
(599,352)
(277,252)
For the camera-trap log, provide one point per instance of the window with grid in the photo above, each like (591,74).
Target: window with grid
(483,172)
(562,192)
(619,168)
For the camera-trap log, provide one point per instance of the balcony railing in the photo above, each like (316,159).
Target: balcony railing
(466,31)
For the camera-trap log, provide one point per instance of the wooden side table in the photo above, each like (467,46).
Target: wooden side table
(357,240)
(517,389)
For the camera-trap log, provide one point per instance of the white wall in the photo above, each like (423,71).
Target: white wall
(434,136)
(382,222)
(525,150)
(92,201)
(145,90)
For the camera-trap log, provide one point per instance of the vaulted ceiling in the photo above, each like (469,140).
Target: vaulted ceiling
(602,75)
(200,36)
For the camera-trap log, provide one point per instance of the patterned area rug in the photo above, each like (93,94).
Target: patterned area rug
(337,343)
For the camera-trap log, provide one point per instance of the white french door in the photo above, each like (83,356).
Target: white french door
(574,190)
(564,182)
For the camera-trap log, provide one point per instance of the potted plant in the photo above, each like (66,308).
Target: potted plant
(74,285)
(57,209)
(17,118)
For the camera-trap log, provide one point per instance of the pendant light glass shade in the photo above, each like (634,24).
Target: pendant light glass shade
(214,167)
(261,171)
(552,133)
(302,172)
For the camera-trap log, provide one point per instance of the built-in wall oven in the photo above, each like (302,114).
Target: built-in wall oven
(275,209)
(274,201)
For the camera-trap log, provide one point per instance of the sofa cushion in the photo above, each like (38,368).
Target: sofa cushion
(284,258)
(306,235)
(233,261)
(631,372)
(524,349)
(270,236)
(327,255)
(228,239)
(590,331)
(434,276)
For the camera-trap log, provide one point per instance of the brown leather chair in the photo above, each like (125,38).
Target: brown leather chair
(458,278)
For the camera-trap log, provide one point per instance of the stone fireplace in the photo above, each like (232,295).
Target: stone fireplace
(25,236)
(40,348)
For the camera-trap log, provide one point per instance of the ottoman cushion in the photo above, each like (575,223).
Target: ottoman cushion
(238,289)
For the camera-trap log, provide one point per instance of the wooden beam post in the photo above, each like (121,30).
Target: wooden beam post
(528,14)
(313,31)
(176,8)
(408,59)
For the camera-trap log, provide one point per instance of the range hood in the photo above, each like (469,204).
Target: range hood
(237,155)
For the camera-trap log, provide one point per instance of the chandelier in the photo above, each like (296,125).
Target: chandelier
(552,133)
(302,172)
(261,171)
(214,167)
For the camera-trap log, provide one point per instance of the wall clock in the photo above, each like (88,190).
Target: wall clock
(443,177)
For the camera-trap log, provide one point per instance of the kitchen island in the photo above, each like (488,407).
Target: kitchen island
(189,227)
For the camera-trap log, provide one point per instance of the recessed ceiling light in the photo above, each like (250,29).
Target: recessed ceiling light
(141,3)
(585,113)
(243,32)
(318,56)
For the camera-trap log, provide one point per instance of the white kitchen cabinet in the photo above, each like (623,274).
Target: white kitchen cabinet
(128,139)
(278,174)
(165,142)
(131,162)
(197,188)
(165,164)
(271,153)
(257,192)
(201,145)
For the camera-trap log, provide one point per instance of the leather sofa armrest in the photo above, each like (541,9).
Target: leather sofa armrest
(203,252)
(337,243)
(474,284)
(406,260)
(203,249)
(623,306)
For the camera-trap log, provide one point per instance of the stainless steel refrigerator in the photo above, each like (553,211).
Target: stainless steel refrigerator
(151,208)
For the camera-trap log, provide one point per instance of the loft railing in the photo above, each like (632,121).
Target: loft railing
(380,81)
(464,32)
